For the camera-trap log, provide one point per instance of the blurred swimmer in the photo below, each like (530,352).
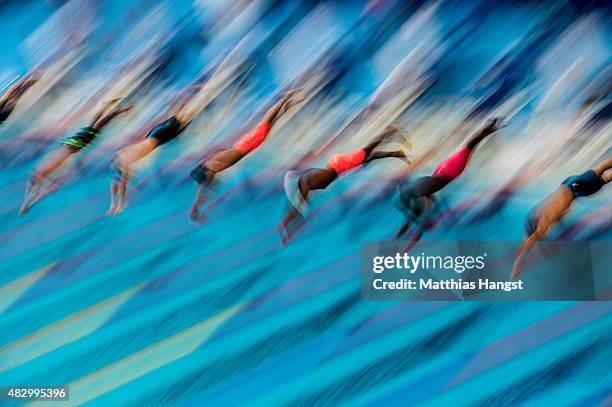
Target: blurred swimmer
(9,99)
(298,186)
(472,211)
(552,210)
(417,200)
(205,172)
(70,148)
(159,135)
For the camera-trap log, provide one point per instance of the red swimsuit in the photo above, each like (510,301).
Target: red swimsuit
(253,139)
(454,165)
(344,162)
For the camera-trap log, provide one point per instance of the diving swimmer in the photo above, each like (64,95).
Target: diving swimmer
(552,210)
(298,186)
(417,197)
(70,148)
(205,172)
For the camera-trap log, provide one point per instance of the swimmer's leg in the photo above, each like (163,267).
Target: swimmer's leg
(281,107)
(410,205)
(124,160)
(116,178)
(409,218)
(114,187)
(49,187)
(490,127)
(137,151)
(421,210)
(388,132)
(438,210)
(547,216)
(315,178)
(40,187)
(118,187)
(204,175)
(414,239)
(122,192)
(311,179)
(402,230)
(377,155)
(603,170)
(289,225)
(34,191)
(201,195)
(539,233)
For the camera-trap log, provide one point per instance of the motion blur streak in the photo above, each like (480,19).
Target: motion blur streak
(148,309)
(10,292)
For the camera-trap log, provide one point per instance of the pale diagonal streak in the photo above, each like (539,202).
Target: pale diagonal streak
(9,293)
(146,360)
(62,332)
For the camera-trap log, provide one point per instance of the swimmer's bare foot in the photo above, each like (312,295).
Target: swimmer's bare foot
(401,231)
(495,124)
(285,236)
(118,210)
(196,217)
(410,245)
(282,231)
(289,231)
(290,99)
(24,209)
(201,219)
(297,100)
(126,107)
(393,128)
(110,211)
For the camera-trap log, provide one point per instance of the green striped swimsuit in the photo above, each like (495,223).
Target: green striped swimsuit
(81,139)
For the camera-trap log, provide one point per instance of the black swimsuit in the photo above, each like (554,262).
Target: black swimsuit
(416,197)
(584,184)
(166,131)
(581,185)
(422,186)
(5,111)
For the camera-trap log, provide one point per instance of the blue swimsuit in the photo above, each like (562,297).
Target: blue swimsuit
(584,184)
